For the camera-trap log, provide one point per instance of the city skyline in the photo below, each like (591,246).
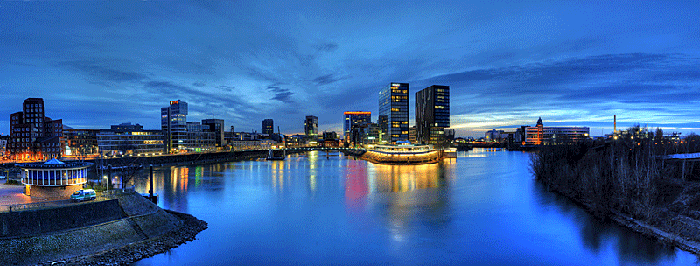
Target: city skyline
(104,63)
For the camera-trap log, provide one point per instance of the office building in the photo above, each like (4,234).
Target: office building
(432,114)
(174,126)
(541,135)
(311,127)
(412,137)
(353,119)
(129,142)
(393,103)
(126,127)
(217,127)
(34,136)
(199,138)
(383,122)
(268,127)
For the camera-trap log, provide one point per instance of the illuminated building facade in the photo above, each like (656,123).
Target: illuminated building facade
(383,122)
(3,146)
(81,143)
(353,119)
(432,114)
(34,136)
(174,125)
(268,127)
(393,103)
(134,142)
(54,179)
(199,138)
(311,127)
(541,135)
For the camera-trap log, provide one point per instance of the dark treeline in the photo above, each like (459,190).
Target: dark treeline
(628,175)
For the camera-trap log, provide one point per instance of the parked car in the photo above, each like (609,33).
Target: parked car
(83,194)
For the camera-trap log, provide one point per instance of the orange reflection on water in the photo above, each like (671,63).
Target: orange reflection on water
(402,178)
(179,178)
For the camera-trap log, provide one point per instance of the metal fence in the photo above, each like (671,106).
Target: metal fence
(105,195)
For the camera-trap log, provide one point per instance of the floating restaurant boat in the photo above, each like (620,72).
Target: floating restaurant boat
(403,153)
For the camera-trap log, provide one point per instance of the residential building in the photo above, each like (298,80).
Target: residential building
(432,115)
(268,127)
(311,127)
(33,136)
(541,135)
(174,126)
(393,103)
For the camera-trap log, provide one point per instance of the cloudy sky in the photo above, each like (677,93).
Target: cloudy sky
(98,63)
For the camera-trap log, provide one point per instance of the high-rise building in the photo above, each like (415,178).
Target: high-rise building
(174,124)
(393,102)
(34,136)
(383,122)
(353,119)
(216,126)
(311,127)
(432,114)
(268,127)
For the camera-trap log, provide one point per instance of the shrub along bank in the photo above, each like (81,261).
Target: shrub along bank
(629,180)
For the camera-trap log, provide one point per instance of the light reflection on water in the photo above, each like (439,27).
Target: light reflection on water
(317,208)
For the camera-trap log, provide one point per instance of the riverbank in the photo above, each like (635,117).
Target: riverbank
(628,183)
(688,241)
(78,234)
(125,255)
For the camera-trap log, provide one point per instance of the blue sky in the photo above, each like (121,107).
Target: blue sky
(98,63)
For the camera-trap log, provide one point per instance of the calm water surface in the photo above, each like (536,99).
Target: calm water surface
(482,208)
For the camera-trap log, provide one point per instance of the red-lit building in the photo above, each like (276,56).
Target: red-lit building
(541,135)
(33,136)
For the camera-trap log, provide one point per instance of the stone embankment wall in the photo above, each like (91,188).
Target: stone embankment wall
(41,221)
(96,227)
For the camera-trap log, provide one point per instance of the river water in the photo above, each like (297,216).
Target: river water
(482,208)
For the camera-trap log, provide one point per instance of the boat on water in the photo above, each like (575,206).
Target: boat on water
(403,153)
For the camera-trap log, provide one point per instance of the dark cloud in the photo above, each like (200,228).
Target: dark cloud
(106,73)
(326,79)
(199,84)
(281,94)
(327,47)
(226,88)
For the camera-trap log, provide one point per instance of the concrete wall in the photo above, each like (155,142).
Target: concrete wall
(31,237)
(34,222)
(53,193)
